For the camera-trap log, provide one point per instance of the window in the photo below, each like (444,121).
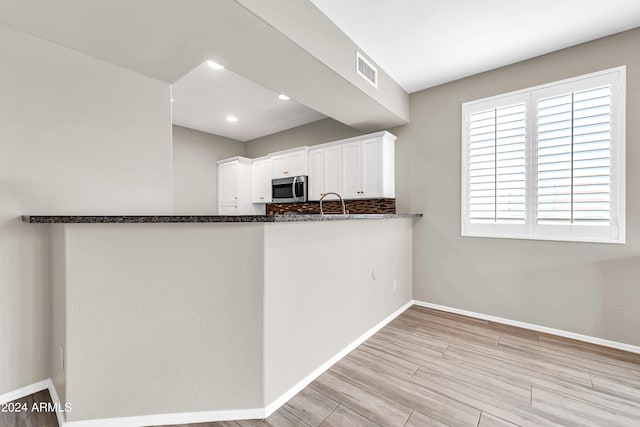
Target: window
(547,162)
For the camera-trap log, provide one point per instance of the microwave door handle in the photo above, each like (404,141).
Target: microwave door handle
(293,188)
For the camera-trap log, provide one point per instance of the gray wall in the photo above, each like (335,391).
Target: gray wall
(77,135)
(319,292)
(325,130)
(195,173)
(579,287)
(585,288)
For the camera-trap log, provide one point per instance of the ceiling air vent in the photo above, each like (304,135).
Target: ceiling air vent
(366,70)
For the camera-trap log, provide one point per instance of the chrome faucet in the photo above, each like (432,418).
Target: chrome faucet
(335,194)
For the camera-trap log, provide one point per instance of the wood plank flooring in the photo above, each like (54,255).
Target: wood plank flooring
(431,368)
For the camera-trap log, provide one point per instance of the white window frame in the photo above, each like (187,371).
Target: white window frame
(615,231)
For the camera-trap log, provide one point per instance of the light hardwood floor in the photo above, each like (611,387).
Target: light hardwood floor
(430,368)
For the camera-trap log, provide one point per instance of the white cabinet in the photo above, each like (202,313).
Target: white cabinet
(261,180)
(356,168)
(368,167)
(289,163)
(325,171)
(315,186)
(234,187)
(230,208)
(352,170)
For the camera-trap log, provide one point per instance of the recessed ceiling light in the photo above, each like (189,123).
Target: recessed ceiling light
(173,100)
(232,119)
(283,97)
(215,65)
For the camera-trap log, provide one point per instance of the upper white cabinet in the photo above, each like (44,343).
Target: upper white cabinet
(234,187)
(352,170)
(368,167)
(261,180)
(362,167)
(325,171)
(289,163)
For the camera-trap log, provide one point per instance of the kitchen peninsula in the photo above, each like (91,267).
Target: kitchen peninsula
(216,316)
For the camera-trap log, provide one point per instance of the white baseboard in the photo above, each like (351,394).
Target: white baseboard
(566,334)
(166,419)
(146,420)
(25,391)
(284,398)
(205,416)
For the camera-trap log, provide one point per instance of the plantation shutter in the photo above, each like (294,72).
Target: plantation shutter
(547,162)
(574,157)
(497,184)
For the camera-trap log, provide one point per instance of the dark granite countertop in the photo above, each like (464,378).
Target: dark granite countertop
(139,219)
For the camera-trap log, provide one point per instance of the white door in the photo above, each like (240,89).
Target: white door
(257,182)
(279,166)
(352,170)
(228,182)
(372,168)
(297,163)
(333,170)
(266,180)
(316,174)
(227,208)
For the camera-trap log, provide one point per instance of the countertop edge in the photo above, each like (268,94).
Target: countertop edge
(181,219)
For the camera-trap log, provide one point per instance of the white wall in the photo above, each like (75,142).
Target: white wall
(163,318)
(320,294)
(77,135)
(213,317)
(195,173)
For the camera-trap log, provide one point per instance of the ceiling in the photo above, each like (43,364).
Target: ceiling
(204,97)
(307,52)
(274,44)
(424,43)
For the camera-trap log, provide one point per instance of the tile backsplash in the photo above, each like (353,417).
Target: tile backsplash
(362,206)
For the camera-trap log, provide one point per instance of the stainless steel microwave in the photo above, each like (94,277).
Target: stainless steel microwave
(289,190)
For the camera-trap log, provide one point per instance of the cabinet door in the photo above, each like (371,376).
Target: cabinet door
(266,181)
(316,174)
(228,182)
(289,164)
(372,168)
(297,163)
(333,170)
(261,181)
(227,208)
(352,170)
(279,166)
(257,182)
